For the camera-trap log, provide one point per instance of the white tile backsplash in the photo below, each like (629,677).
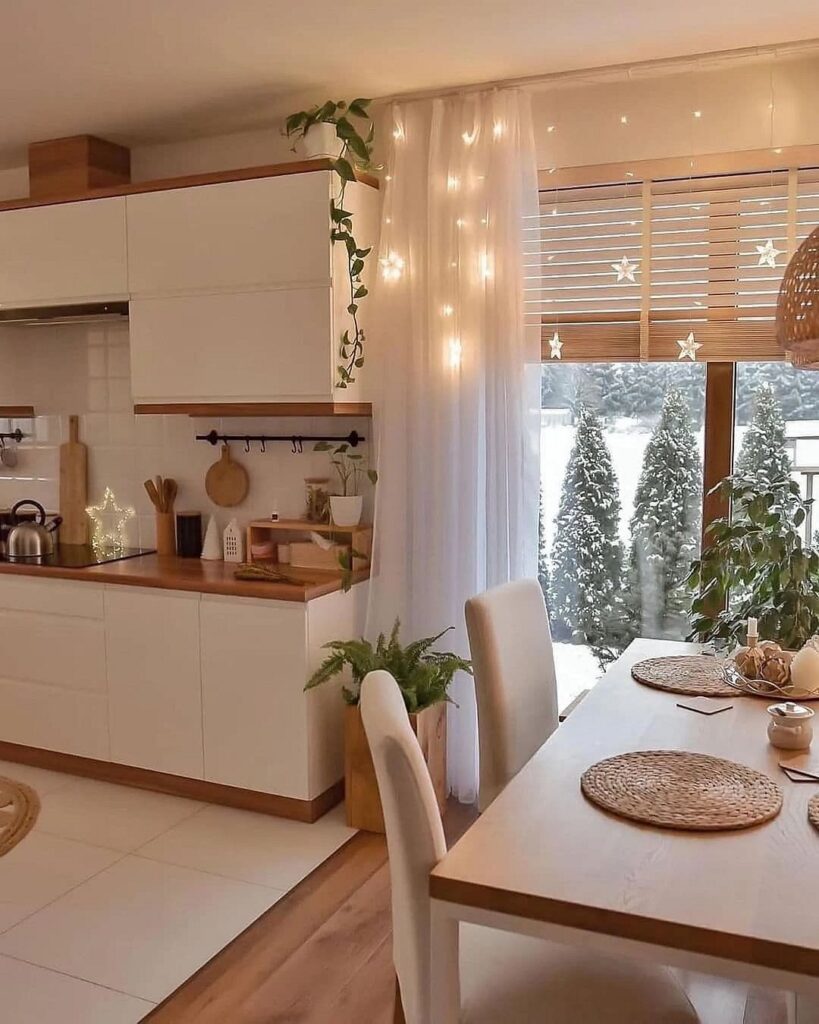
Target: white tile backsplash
(85,370)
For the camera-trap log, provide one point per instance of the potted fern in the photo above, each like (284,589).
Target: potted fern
(423,676)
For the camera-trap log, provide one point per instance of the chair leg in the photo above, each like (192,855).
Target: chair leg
(398,1012)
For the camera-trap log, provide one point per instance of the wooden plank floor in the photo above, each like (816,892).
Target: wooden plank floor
(322,953)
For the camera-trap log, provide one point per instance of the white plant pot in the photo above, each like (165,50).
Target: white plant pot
(321,142)
(346,511)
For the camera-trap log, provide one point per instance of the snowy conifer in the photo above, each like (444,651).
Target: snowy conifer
(763,456)
(587,556)
(665,525)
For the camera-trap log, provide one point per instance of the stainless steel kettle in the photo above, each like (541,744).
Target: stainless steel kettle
(31,541)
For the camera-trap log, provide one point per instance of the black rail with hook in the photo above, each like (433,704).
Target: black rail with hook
(15,435)
(296,441)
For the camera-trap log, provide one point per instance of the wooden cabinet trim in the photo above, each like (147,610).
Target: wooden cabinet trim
(184,181)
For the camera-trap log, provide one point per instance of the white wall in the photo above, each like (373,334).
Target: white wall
(84,369)
(734,102)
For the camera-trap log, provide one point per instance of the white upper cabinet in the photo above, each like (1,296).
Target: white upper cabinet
(70,252)
(231,236)
(258,346)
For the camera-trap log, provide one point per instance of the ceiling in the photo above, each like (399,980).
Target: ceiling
(140,71)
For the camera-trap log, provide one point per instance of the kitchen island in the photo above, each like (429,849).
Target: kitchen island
(167,673)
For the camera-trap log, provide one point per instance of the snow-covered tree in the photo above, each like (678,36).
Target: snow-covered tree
(763,456)
(542,554)
(665,525)
(587,556)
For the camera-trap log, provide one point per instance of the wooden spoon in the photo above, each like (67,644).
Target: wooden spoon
(150,487)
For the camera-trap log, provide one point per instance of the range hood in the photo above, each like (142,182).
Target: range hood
(78,313)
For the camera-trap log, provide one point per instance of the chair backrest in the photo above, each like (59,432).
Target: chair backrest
(415,835)
(515,687)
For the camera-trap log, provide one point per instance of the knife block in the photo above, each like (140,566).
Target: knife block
(165,534)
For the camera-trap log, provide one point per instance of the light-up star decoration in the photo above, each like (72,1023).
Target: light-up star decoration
(625,270)
(768,254)
(109,522)
(555,346)
(688,347)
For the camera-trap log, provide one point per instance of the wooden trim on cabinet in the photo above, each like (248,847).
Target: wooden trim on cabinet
(203,409)
(176,785)
(17,412)
(184,181)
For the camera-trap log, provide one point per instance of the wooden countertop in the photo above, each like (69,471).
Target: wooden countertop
(192,574)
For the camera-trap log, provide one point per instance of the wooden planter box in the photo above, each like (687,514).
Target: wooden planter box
(362,802)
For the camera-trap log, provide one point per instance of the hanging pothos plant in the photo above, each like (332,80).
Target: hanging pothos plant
(355,154)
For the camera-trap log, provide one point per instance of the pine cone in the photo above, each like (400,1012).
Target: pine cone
(749,661)
(776,669)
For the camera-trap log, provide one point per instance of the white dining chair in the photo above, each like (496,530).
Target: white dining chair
(515,686)
(504,978)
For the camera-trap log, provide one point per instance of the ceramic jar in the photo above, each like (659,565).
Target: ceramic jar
(791,726)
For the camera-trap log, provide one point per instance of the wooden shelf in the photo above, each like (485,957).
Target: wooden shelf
(359,538)
(186,181)
(204,409)
(17,412)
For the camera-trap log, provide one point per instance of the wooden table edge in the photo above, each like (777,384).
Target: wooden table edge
(744,949)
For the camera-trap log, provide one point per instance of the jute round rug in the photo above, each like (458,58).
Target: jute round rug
(682,790)
(19,807)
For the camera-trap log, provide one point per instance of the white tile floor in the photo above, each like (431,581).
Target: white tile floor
(119,895)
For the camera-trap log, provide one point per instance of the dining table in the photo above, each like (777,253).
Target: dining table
(542,860)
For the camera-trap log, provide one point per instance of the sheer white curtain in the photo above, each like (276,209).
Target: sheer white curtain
(458,411)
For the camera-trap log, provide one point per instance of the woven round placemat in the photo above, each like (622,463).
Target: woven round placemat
(813,811)
(694,675)
(677,789)
(19,807)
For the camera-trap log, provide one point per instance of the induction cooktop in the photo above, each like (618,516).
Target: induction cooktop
(82,556)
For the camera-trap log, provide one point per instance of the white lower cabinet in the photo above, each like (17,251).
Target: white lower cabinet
(253,706)
(154,683)
(52,666)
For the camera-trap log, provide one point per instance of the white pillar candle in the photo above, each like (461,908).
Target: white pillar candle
(752,627)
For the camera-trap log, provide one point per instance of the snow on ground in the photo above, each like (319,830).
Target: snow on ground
(577,669)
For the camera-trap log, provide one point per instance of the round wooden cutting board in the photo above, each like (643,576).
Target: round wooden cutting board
(226,482)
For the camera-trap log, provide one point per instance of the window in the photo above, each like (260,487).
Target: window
(621,466)
(624,265)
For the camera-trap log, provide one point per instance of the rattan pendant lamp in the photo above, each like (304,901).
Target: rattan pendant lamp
(797,309)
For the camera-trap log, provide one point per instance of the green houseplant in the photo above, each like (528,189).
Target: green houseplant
(424,677)
(755,564)
(346,507)
(353,152)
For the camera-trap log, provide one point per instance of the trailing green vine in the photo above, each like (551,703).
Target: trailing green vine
(356,154)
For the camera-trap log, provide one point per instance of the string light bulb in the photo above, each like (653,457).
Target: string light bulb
(454,352)
(698,114)
(469,137)
(498,128)
(447,310)
(453,183)
(392,266)
(624,119)
(398,133)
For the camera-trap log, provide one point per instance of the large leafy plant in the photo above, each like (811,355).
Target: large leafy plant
(356,153)
(423,675)
(755,564)
(349,466)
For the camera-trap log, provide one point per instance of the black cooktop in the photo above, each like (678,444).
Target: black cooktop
(82,556)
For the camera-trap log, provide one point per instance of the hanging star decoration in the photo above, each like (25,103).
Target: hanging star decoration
(688,347)
(555,346)
(109,522)
(625,270)
(767,254)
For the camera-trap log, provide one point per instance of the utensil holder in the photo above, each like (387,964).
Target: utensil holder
(165,534)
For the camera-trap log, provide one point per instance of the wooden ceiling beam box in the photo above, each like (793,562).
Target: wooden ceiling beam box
(201,409)
(78,163)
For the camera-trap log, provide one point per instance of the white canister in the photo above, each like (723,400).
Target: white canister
(791,726)
(284,554)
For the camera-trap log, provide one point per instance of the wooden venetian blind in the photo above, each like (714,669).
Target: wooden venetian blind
(694,244)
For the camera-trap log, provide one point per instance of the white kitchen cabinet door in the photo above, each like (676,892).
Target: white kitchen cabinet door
(154,687)
(69,252)
(231,236)
(253,705)
(243,347)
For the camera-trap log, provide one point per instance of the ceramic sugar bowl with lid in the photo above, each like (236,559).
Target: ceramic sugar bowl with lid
(791,726)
